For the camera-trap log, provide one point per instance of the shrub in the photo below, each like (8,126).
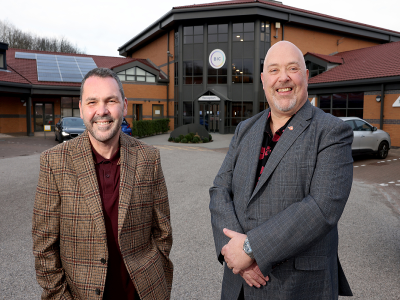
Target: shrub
(210,137)
(149,127)
(181,136)
(184,141)
(205,140)
(192,134)
(170,139)
(177,140)
(196,139)
(188,137)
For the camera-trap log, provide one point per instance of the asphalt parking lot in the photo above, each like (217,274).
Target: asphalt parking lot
(369,229)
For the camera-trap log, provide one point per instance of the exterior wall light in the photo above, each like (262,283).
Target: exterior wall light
(378,98)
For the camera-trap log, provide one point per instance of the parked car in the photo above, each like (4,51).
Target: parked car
(126,127)
(68,128)
(367,138)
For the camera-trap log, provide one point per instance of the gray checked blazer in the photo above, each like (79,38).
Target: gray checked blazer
(291,216)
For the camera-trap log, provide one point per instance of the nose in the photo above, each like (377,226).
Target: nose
(102,109)
(283,75)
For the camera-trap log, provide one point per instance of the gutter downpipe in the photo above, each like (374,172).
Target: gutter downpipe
(382,105)
(169,81)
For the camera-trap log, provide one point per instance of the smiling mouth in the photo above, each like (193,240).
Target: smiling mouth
(103,122)
(288,89)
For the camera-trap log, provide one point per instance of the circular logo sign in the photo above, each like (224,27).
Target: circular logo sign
(217,58)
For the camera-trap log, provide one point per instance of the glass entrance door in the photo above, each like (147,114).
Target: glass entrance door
(43,115)
(209,116)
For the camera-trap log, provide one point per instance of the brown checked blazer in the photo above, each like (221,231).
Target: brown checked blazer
(69,235)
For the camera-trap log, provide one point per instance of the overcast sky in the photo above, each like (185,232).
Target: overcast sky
(100,27)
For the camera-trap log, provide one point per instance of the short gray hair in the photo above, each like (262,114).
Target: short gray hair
(103,73)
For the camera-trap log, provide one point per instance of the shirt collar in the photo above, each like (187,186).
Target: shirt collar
(98,159)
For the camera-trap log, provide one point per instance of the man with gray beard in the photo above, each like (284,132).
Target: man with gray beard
(281,190)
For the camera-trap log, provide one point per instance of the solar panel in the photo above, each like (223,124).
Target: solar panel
(60,68)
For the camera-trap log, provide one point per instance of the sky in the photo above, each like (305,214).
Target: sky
(100,27)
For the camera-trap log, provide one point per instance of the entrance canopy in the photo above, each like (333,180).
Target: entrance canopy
(212,95)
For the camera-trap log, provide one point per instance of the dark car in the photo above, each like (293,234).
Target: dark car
(126,127)
(68,128)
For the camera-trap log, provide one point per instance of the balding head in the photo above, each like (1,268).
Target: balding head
(285,78)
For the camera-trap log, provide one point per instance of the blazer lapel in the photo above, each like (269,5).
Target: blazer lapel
(82,158)
(127,177)
(299,123)
(254,141)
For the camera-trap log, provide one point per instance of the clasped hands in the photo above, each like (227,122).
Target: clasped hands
(239,262)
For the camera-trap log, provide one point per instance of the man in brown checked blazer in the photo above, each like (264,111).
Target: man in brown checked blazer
(101,220)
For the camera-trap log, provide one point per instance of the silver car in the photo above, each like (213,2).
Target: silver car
(368,138)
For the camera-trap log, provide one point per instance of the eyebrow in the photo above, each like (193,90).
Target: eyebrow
(290,63)
(108,98)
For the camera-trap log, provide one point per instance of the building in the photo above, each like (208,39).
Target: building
(364,83)
(38,88)
(215,54)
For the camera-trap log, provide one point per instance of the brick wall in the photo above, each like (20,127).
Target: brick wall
(312,40)
(12,115)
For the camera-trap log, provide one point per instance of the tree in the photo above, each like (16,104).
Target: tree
(16,38)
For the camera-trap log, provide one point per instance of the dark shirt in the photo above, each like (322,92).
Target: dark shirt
(268,145)
(118,282)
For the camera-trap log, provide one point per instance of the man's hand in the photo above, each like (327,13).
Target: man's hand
(253,276)
(233,253)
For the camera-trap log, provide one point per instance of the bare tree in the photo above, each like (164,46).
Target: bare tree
(16,38)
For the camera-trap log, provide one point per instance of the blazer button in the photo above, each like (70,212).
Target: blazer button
(97,291)
(103,260)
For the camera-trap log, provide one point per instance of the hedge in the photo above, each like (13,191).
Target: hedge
(149,127)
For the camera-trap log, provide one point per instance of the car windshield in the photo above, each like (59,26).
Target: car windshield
(78,122)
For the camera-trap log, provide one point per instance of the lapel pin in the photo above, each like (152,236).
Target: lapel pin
(290,127)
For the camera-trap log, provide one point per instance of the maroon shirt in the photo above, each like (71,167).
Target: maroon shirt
(118,282)
(268,144)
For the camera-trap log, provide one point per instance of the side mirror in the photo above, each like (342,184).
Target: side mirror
(374,128)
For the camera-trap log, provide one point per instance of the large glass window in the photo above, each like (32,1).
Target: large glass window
(242,70)
(236,112)
(188,112)
(243,32)
(343,104)
(193,72)
(218,39)
(193,34)
(136,74)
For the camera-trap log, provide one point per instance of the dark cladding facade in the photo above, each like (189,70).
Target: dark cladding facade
(219,96)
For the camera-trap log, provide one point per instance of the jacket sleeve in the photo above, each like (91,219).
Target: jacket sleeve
(161,223)
(222,208)
(303,223)
(46,235)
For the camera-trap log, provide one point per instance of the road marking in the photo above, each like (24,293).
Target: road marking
(362,165)
(394,158)
(383,184)
(355,166)
(397,184)
(388,160)
(391,182)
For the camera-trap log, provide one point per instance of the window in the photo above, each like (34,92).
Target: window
(242,70)
(265,41)
(218,33)
(2,61)
(243,32)
(193,34)
(158,111)
(137,112)
(188,113)
(343,104)
(136,74)
(70,107)
(193,72)
(314,69)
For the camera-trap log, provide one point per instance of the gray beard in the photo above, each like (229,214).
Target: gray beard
(292,104)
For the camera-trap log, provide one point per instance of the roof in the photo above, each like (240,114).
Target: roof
(277,4)
(327,58)
(270,9)
(366,63)
(21,70)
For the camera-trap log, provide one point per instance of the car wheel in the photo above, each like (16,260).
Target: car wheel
(60,139)
(383,150)
(56,137)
